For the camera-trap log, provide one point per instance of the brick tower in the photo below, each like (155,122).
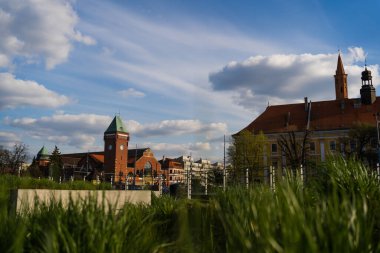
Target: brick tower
(367,92)
(340,81)
(116,140)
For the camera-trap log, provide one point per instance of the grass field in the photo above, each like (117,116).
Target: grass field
(336,212)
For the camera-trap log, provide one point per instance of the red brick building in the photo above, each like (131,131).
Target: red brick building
(117,162)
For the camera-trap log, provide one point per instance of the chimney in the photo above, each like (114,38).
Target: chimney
(305,98)
(288,119)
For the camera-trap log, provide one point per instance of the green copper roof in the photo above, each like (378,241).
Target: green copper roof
(116,126)
(43,153)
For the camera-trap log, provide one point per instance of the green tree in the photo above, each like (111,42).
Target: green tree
(34,169)
(245,152)
(55,167)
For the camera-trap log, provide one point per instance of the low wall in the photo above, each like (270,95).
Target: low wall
(25,198)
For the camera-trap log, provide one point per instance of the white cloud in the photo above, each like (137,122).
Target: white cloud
(175,128)
(132,93)
(85,131)
(64,124)
(8,139)
(197,149)
(289,78)
(15,92)
(76,130)
(356,54)
(38,29)
(87,40)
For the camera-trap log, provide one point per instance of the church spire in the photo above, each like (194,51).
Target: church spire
(340,80)
(339,67)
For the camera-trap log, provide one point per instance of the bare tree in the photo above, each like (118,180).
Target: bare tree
(12,160)
(4,158)
(361,142)
(295,148)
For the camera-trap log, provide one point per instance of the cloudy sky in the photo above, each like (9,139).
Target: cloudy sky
(181,73)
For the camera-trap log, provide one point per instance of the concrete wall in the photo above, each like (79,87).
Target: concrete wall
(25,198)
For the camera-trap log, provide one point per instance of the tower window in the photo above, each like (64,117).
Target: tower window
(332,145)
(274,148)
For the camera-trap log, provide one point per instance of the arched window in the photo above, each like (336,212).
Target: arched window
(148,169)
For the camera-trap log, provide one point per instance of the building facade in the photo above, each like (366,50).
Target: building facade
(116,163)
(327,121)
(178,169)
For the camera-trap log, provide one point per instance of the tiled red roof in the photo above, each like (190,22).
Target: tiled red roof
(98,157)
(325,115)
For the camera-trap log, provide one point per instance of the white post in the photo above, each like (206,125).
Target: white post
(111,181)
(274,179)
(84,178)
(60,180)
(97,180)
(126,182)
(206,182)
(189,182)
(378,171)
(247,178)
(160,184)
(301,173)
(72,178)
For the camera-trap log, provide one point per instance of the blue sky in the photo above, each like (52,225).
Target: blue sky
(180,73)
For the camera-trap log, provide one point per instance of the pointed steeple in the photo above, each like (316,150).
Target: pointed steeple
(116,126)
(43,154)
(340,80)
(339,67)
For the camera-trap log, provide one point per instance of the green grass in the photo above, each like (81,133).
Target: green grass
(338,211)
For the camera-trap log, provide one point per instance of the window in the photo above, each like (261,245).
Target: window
(171,172)
(148,169)
(312,147)
(170,178)
(353,145)
(332,145)
(274,148)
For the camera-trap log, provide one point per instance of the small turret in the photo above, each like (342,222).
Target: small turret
(43,157)
(367,92)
